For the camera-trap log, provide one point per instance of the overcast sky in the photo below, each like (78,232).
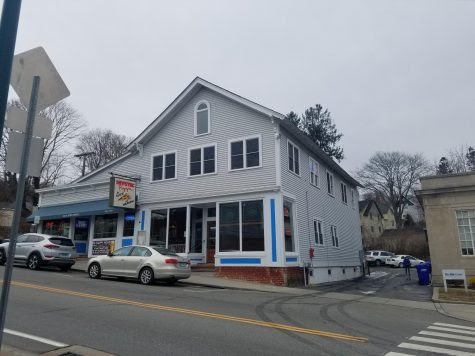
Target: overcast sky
(396,75)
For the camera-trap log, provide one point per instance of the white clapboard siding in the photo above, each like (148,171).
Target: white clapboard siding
(229,120)
(321,206)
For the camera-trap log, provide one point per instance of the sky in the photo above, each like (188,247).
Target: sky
(396,75)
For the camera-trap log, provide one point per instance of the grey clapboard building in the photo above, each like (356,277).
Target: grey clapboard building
(223,181)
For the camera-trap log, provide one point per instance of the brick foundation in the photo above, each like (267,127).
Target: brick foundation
(278,276)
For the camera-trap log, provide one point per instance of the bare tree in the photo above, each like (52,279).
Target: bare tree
(457,161)
(105,145)
(393,176)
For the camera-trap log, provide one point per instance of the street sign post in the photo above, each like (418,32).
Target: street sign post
(18,203)
(29,69)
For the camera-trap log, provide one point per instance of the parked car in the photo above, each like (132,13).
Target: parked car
(398,261)
(378,258)
(36,250)
(145,263)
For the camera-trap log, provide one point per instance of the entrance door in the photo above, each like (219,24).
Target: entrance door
(81,235)
(211,243)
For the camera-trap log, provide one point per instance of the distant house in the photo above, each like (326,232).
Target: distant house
(389,222)
(449,206)
(372,225)
(224,181)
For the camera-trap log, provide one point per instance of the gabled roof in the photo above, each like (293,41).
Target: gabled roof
(365,206)
(199,83)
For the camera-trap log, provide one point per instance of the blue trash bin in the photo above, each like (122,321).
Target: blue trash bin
(423,273)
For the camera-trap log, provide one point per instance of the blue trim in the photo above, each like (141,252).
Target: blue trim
(142,221)
(81,247)
(127,242)
(97,207)
(240,261)
(291,259)
(274,235)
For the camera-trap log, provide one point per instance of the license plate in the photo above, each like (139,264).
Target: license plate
(183,264)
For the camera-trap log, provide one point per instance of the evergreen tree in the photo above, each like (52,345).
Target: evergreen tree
(471,159)
(294,118)
(444,167)
(318,125)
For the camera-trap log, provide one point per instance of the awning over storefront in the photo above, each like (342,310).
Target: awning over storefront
(98,207)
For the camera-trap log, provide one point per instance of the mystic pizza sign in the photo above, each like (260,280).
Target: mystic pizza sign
(122,193)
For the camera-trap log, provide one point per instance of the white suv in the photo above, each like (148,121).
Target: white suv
(36,250)
(378,258)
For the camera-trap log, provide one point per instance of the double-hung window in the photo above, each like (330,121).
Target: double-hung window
(245,153)
(294,158)
(466,227)
(335,242)
(318,232)
(163,166)
(241,226)
(330,187)
(313,167)
(202,160)
(344,197)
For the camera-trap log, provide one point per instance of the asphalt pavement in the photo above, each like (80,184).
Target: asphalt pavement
(51,310)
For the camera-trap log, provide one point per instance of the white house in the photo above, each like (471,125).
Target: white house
(223,181)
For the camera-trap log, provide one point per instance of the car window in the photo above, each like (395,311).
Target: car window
(61,241)
(384,254)
(411,258)
(21,238)
(124,251)
(368,253)
(31,238)
(375,253)
(164,251)
(141,252)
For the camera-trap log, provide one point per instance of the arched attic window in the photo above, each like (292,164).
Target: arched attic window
(202,118)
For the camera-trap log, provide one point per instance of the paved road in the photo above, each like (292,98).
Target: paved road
(126,318)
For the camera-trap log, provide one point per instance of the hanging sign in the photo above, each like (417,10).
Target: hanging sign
(122,193)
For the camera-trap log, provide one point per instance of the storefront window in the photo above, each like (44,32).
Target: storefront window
(229,227)
(289,227)
(57,227)
(176,230)
(105,226)
(252,226)
(129,224)
(81,229)
(196,237)
(158,228)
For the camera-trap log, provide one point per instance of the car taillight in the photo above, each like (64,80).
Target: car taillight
(172,261)
(51,246)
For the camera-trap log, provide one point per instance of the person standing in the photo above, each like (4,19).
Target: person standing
(407,266)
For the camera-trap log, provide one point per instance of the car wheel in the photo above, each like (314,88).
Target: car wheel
(34,261)
(3,257)
(146,276)
(378,263)
(400,265)
(94,270)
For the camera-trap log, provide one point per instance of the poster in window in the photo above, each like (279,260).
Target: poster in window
(122,193)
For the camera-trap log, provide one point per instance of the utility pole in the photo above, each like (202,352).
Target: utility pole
(8,33)
(84,156)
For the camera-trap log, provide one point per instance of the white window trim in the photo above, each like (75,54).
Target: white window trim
(346,192)
(195,111)
(310,160)
(323,232)
(332,194)
(240,251)
(300,162)
(163,154)
(336,235)
(202,147)
(458,233)
(244,150)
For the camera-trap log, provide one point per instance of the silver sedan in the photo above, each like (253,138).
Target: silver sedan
(147,263)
